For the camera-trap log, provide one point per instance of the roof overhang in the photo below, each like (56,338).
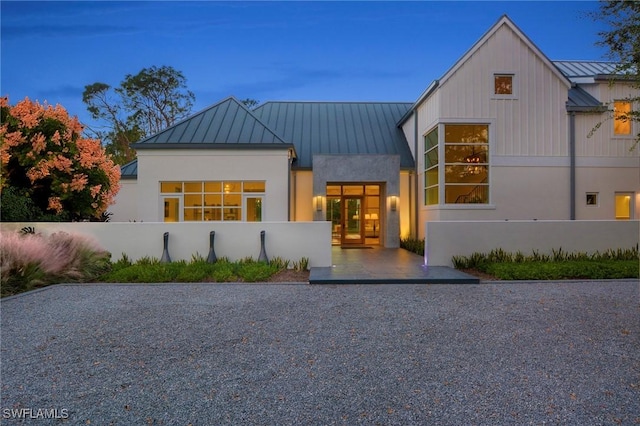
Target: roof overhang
(216,146)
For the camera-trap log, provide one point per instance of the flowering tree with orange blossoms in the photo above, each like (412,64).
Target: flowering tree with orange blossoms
(46,161)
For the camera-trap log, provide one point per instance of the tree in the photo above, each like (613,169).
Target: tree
(622,38)
(49,170)
(142,105)
(250,103)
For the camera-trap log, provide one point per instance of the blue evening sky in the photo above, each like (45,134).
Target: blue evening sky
(339,51)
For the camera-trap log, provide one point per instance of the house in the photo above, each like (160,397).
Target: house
(502,135)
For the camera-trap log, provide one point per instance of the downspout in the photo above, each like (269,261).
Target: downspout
(572,165)
(416,184)
(289,161)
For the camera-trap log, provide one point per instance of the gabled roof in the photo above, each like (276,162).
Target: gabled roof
(339,128)
(227,125)
(503,21)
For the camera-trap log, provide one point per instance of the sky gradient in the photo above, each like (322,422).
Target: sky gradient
(336,51)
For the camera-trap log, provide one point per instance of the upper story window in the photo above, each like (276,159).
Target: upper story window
(621,118)
(503,85)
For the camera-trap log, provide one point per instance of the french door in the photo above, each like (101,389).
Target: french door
(352,220)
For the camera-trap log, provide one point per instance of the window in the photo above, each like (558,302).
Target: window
(431,177)
(624,205)
(621,119)
(212,200)
(503,84)
(466,168)
(592,198)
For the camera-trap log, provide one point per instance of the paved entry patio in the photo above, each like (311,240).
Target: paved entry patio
(377,265)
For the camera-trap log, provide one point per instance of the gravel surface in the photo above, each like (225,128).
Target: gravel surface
(206,354)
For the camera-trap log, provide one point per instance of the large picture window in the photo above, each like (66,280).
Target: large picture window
(466,158)
(214,200)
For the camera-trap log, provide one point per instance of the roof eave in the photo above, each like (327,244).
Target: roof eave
(616,77)
(223,146)
(427,92)
(588,109)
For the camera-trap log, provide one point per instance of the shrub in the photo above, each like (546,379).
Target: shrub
(43,156)
(558,265)
(256,271)
(413,245)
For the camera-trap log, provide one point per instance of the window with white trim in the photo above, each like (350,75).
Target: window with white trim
(214,200)
(431,169)
(466,163)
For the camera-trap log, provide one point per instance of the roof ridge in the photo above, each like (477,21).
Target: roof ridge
(149,141)
(585,60)
(336,102)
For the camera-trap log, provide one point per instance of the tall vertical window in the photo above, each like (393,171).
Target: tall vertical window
(466,175)
(621,118)
(431,168)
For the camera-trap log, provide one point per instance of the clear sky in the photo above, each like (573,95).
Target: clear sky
(338,51)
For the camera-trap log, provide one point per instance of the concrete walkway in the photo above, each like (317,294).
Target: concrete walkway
(379,265)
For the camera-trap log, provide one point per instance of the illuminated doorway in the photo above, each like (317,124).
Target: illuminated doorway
(354,213)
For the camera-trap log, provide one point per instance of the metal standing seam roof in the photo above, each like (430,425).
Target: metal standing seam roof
(339,128)
(581,101)
(227,124)
(581,69)
(129,170)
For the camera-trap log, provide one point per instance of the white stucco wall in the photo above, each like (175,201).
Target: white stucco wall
(446,239)
(155,166)
(235,240)
(125,208)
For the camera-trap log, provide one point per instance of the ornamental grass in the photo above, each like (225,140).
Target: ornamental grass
(29,261)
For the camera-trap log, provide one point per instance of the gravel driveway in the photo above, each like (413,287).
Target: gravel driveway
(205,354)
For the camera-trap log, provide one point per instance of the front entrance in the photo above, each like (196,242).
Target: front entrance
(354,213)
(352,223)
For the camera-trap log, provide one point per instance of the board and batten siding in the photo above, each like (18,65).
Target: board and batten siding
(534,122)
(603,143)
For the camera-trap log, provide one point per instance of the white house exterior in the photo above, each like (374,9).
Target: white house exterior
(502,135)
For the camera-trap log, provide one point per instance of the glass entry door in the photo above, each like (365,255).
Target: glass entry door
(352,221)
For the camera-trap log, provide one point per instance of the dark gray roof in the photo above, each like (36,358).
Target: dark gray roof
(576,69)
(339,128)
(227,124)
(129,170)
(581,101)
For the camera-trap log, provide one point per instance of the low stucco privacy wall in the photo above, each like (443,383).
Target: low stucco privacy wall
(288,240)
(443,240)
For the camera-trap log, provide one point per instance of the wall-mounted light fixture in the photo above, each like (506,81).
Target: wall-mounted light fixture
(318,201)
(393,202)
